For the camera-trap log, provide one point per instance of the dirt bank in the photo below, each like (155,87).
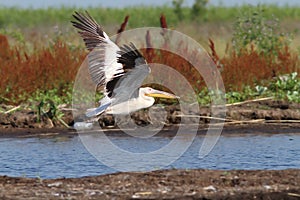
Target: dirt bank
(163,184)
(264,111)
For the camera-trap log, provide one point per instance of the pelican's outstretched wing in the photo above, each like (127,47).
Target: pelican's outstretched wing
(91,33)
(103,65)
(135,71)
(120,70)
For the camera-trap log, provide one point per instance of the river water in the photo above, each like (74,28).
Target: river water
(55,157)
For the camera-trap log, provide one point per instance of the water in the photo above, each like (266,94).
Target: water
(67,157)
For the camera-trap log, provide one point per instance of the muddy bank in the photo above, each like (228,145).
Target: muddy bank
(169,131)
(163,184)
(264,111)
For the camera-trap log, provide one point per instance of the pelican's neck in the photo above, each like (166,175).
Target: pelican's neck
(144,98)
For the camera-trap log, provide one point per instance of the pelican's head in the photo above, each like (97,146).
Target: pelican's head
(150,92)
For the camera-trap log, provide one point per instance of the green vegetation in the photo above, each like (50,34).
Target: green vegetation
(285,87)
(141,16)
(252,28)
(254,64)
(259,55)
(47,105)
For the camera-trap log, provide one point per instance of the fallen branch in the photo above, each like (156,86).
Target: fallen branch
(257,121)
(283,121)
(63,123)
(241,122)
(13,109)
(67,109)
(293,194)
(50,122)
(206,117)
(249,101)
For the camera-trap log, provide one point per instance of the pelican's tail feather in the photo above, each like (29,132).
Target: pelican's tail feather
(97,111)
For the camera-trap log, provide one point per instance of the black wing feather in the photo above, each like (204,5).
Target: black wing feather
(130,58)
(89,30)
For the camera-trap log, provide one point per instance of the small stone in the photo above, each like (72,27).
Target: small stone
(267,187)
(210,189)
(55,184)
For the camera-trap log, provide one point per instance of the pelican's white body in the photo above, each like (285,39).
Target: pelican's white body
(143,100)
(132,105)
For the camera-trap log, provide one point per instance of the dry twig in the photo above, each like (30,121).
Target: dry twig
(249,101)
(13,109)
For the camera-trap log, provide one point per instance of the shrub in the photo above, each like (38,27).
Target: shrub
(46,68)
(253,29)
(250,68)
(177,6)
(258,53)
(286,87)
(199,9)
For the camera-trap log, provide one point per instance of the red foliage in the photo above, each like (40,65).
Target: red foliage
(214,56)
(46,68)
(176,62)
(163,21)
(150,51)
(124,24)
(249,67)
(238,70)
(122,28)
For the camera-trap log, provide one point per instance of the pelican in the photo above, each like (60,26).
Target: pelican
(120,71)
